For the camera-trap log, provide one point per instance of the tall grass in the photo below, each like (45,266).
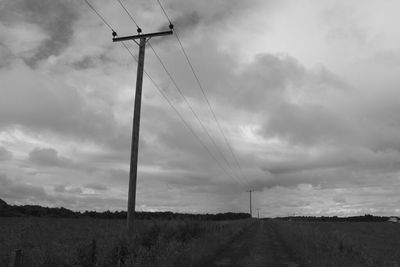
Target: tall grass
(69,242)
(343,244)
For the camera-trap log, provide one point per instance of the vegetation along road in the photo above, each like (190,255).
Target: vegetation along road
(259,246)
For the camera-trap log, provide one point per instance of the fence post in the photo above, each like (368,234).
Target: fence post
(16,258)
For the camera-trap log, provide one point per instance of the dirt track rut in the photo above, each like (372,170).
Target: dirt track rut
(258,246)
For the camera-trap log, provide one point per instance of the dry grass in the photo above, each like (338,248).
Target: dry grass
(344,243)
(68,242)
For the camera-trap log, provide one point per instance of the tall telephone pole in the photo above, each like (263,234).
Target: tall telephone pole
(136,119)
(251,213)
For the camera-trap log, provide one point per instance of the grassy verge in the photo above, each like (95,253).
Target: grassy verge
(69,242)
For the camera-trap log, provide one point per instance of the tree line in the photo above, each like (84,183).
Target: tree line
(364,218)
(39,211)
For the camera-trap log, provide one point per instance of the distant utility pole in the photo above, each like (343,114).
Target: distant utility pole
(136,118)
(251,213)
(258,213)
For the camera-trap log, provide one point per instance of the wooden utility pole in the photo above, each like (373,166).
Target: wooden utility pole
(136,120)
(251,213)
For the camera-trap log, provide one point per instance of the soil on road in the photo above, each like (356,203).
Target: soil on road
(260,245)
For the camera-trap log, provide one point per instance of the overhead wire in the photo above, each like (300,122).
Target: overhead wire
(100,16)
(159,89)
(192,110)
(208,103)
(165,13)
(179,115)
(129,14)
(203,92)
(182,95)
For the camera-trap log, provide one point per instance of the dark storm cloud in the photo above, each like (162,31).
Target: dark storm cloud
(5,154)
(55,17)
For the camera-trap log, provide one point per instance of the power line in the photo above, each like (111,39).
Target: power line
(162,93)
(129,51)
(203,92)
(191,109)
(159,89)
(208,103)
(176,86)
(179,115)
(100,16)
(129,14)
(165,13)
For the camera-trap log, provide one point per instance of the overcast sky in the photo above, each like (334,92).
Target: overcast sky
(306,92)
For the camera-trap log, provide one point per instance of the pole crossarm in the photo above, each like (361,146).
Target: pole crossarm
(141,36)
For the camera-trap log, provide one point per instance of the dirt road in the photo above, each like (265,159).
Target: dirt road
(259,246)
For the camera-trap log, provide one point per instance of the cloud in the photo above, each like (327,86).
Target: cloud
(314,122)
(67,189)
(339,199)
(22,39)
(41,103)
(309,124)
(194,13)
(303,119)
(58,26)
(12,189)
(97,187)
(5,154)
(312,125)
(59,188)
(15,191)
(47,157)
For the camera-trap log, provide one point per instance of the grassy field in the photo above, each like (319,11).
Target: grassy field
(69,242)
(342,243)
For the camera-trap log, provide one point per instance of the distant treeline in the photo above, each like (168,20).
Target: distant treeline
(39,211)
(365,218)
